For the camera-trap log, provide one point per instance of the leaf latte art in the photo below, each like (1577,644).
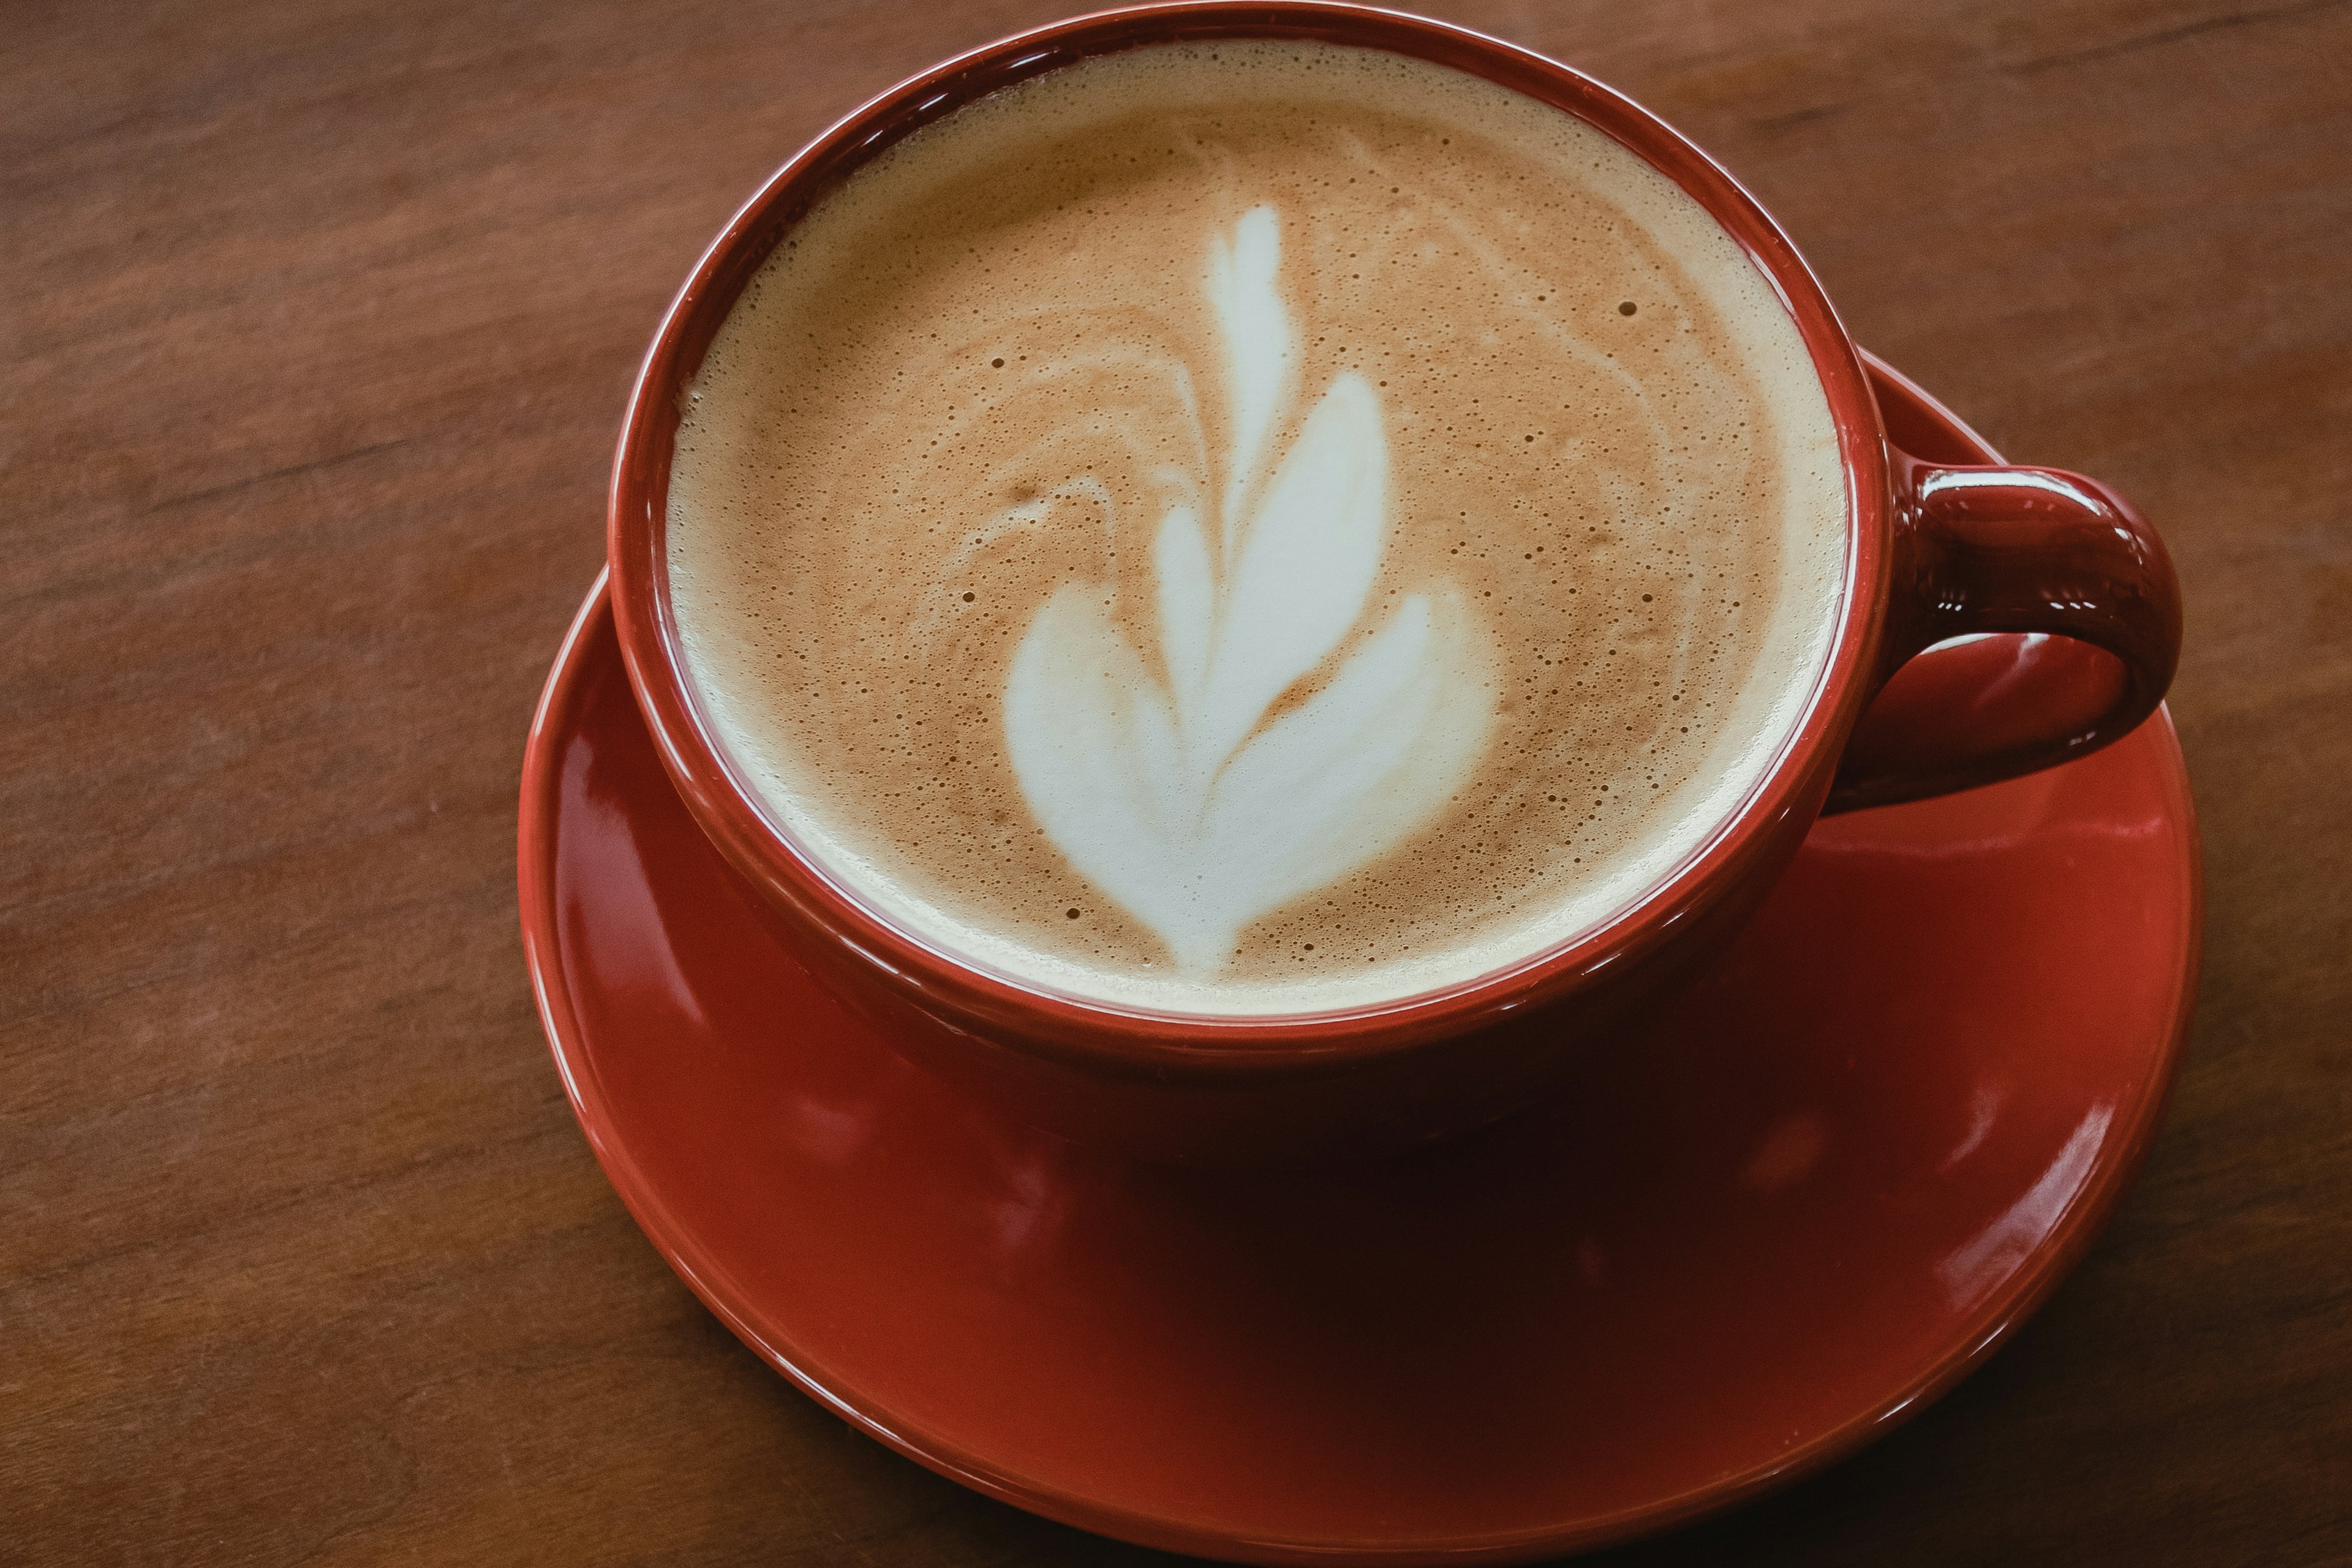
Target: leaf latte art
(1169,787)
(1251,528)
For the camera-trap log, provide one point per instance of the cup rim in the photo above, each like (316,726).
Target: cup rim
(728,807)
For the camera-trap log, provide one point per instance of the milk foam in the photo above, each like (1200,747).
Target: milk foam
(1111,584)
(1159,778)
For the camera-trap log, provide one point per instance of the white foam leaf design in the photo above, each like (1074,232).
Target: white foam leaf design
(1187,602)
(1257,344)
(1304,567)
(1170,789)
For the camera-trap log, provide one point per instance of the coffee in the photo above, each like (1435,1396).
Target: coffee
(1254,528)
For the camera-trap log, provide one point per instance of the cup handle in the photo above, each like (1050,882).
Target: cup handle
(1995,550)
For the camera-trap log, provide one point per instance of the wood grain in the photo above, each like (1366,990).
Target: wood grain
(315,325)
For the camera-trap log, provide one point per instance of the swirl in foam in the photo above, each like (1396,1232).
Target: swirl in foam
(1159,778)
(1254,528)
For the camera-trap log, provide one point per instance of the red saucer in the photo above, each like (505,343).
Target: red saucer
(1849,1163)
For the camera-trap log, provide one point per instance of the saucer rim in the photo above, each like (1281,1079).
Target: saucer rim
(2123,1154)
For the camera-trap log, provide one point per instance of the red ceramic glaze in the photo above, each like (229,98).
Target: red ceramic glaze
(1934,552)
(1982,550)
(1836,1174)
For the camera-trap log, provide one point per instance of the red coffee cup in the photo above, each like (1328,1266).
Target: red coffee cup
(1933,554)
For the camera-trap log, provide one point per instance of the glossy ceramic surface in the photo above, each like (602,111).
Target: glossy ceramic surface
(1835,1176)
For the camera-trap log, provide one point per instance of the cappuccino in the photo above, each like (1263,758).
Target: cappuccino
(1254,528)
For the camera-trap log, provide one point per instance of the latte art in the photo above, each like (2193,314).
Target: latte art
(1160,778)
(1253,527)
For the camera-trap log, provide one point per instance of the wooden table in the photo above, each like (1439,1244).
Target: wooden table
(315,325)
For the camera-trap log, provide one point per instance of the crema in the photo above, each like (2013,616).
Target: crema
(1254,528)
